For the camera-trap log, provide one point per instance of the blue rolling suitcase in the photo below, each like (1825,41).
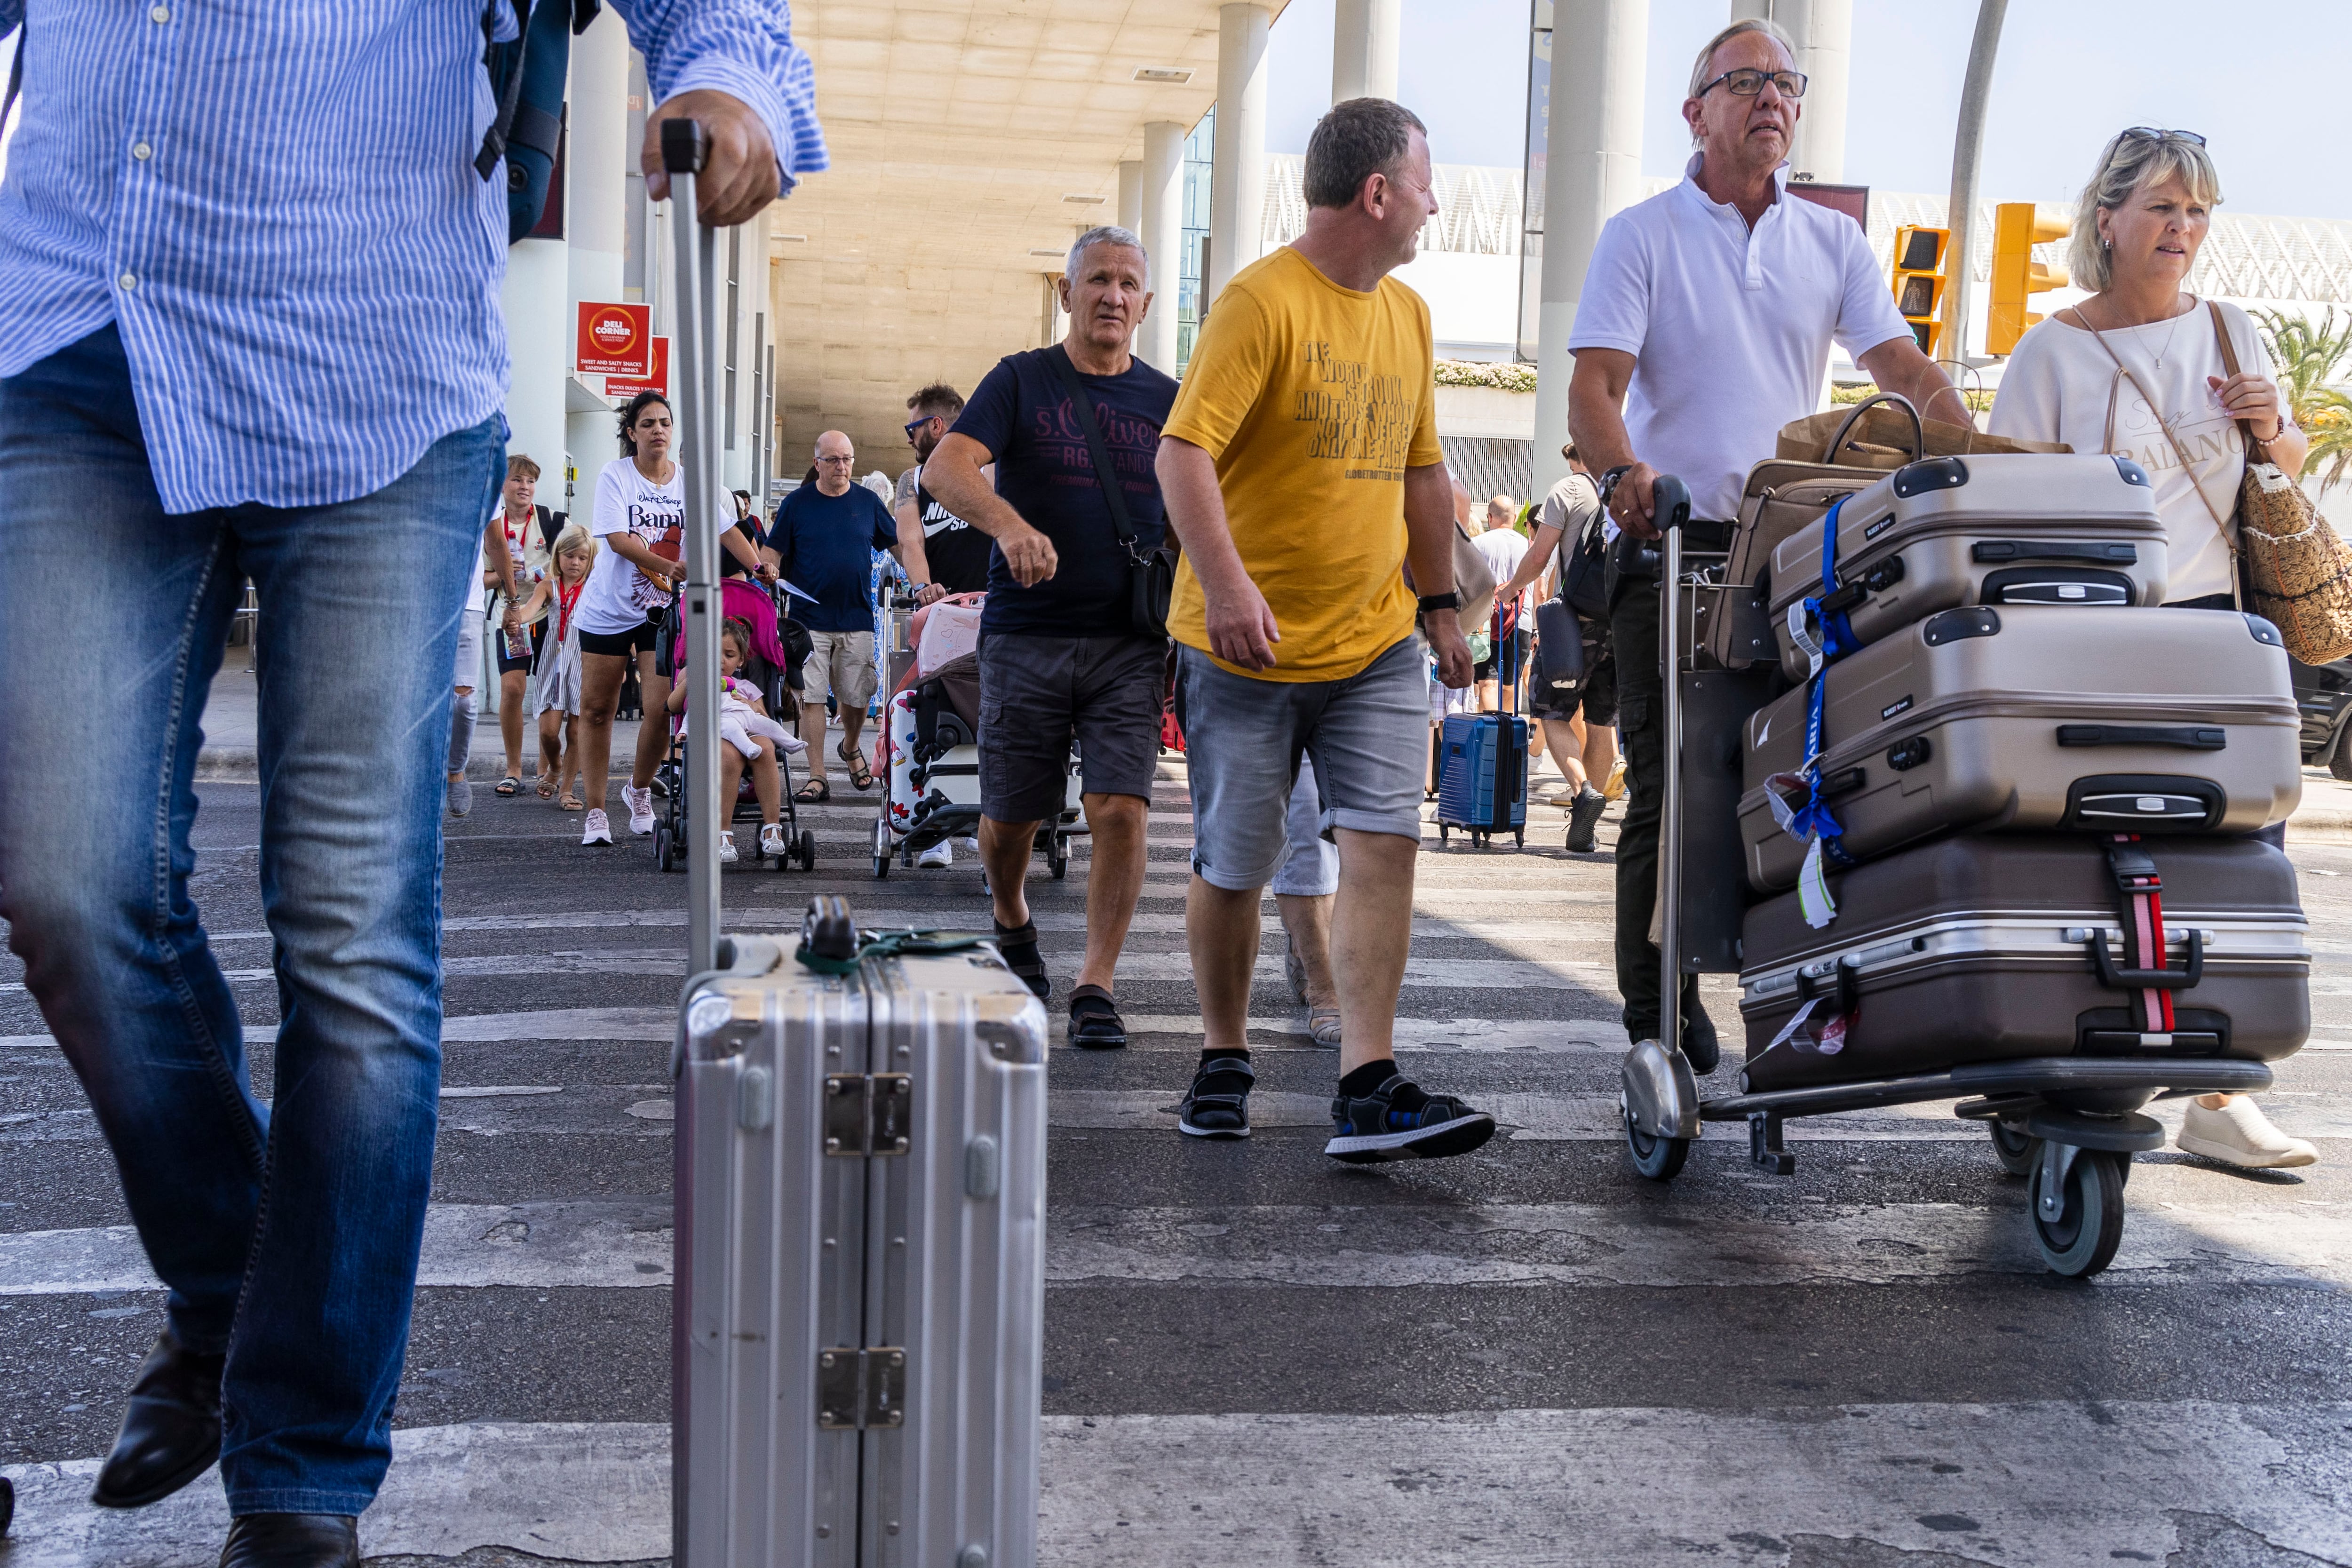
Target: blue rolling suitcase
(1482,776)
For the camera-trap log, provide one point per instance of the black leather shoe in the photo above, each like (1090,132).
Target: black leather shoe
(170,1431)
(1699,1042)
(292,1541)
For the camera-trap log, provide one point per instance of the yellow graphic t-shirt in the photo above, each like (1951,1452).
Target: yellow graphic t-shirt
(1314,400)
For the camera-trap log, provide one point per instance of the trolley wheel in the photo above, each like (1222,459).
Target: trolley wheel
(1659,1159)
(1519,838)
(2090,1226)
(2018,1150)
(808,850)
(665,847)
(1057,857)
(1441,833)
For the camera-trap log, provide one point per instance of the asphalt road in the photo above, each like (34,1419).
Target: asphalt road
(1256,1355)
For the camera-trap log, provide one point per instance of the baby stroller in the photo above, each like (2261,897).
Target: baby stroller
(931,744)
(771,667)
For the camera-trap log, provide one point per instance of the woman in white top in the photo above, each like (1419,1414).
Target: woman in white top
(2141,359)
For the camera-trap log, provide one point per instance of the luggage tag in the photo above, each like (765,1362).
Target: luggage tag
(1828,1043)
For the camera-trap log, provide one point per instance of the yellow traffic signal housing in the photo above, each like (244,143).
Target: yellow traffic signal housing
(1919,282)
(2016,275)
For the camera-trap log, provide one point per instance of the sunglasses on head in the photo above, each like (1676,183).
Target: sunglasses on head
(2151,133)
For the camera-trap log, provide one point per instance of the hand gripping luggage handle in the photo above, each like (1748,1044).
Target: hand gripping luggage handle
(685,149)
(1671,504)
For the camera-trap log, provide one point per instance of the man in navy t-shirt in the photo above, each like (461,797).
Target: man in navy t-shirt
(824,537)
(1059,653)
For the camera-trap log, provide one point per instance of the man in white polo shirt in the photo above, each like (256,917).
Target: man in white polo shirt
(1705,327)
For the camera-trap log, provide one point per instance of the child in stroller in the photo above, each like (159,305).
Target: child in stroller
(754,770)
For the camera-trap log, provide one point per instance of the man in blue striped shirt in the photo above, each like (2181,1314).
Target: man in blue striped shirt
(249,327)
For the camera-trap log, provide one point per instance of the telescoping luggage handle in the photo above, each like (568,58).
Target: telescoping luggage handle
(1672,502)
(685,149)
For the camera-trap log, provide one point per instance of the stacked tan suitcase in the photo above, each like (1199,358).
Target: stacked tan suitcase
(2019,747)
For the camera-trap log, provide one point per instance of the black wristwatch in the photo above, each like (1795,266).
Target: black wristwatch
(1607,484)
(1439,601)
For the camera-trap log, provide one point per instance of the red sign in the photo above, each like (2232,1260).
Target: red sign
(627,386)
(616,340)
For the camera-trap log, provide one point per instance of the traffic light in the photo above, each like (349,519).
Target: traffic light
(1919,282)
(2016,230)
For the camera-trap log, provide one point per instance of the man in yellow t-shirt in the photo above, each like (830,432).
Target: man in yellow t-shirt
(1301,472)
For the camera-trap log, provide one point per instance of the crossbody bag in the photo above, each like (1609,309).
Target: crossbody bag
(1151,577)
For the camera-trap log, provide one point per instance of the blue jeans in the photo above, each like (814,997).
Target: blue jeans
(287,1234)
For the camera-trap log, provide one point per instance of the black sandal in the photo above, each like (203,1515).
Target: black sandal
(1095,1022)
(1217,1105)
(823,793)
(1018,947)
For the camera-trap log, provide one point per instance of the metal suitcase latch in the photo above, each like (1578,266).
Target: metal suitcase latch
(868,1113)
(861,1388)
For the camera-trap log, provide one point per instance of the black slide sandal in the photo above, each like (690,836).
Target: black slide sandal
(1095,1022)
(1019,946)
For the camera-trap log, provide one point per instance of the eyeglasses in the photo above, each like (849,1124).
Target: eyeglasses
(2151,133)
(915,425)
(843,459)
(1748,82)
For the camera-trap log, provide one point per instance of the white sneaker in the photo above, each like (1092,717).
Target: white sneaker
(772,839)
(727,856)
(970,844)
(2239,1134)
(640,803)
(596,829)
(938,855)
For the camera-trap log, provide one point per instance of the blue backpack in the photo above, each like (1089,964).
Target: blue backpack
(527,80)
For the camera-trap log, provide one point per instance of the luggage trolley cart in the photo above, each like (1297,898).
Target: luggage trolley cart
(2069,1125)
(930,756)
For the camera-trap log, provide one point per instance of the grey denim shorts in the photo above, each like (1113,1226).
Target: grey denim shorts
(1037,694)
(1368,736)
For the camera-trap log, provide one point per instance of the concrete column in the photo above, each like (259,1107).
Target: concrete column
(1824,31)
(1592,169)
(1130,195)
(539,342)
(1364,50)
(596,161)
(1162,229)
(1237,169)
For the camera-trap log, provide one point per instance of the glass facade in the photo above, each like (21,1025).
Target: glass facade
(1193,263)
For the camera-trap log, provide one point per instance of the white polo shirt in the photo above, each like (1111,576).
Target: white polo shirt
(1731,328)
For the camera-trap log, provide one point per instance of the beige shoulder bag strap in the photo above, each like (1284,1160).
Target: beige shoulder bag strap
(2256,451)
(2124,374)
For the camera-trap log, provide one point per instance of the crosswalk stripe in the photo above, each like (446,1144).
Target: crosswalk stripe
(1631,1488)
(1388,1245)
(538,1244)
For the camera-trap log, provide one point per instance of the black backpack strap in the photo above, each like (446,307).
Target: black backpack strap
(15,73)
(550,525)
(1108,476)
(494,139)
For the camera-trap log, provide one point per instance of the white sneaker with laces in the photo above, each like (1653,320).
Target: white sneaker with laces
(2239,1134)
(727,856)
(938,855)
(596,829)
(640,803)
(772,839)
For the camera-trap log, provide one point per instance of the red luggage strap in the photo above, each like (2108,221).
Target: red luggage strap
(2143,922)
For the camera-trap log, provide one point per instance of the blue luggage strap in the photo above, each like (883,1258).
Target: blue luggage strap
(1813,822)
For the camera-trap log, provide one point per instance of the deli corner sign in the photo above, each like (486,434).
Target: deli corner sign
(616,340)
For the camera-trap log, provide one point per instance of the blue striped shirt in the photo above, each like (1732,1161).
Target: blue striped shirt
(276,201)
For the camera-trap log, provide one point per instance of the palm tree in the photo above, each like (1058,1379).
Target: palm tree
(2307,358)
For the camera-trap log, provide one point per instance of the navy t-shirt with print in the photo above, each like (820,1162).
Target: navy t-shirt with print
(827,544)
(1022,413)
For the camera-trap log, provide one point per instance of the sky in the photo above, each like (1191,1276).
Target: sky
(2070,74)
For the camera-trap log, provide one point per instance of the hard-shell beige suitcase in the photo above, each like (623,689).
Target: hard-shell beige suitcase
(1779,498)
(2033,717)
(2003,528)
(1993,947)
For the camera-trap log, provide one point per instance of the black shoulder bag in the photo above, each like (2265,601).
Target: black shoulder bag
(1153,581)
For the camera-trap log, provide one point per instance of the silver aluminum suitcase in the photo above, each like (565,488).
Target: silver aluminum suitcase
(2012,528)
(2036,716)
(859,1331)
(857,1319)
